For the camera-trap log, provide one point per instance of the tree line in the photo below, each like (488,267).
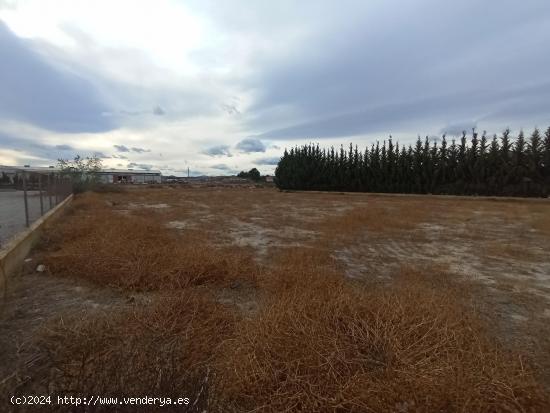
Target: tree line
(253,174)
(472,165)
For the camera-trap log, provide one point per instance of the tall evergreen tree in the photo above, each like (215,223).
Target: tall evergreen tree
(535,161)
(503,167)
(546,162)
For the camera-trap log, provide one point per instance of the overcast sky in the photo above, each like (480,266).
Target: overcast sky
(221,86)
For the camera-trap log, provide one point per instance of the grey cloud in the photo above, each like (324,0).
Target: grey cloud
(119,156)
(249,145)
(158,111)
(227,170)
(268,161)
(140,165)
(121,148)
(456,128)
(221,166)
(22,144)
(418,116)
(49,97)
(351,68)
(131,112)
(36,149)
(121,98)
(357,78)
(64,147)
(230,109)
(140,150)
(219,150)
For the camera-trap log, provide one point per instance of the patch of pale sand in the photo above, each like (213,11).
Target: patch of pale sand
(197,204)
(180,225)
(247,234)
(452,246)
(467,257)
(361,269)
(519,318)
(124,212)
(133,205)
(316,213)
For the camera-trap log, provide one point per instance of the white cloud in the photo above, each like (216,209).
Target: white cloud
(249,145)
(164,29)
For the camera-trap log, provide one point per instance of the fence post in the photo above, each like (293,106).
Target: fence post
(40,190)
(67,186)
(50,189)
(25,198)
(56,188)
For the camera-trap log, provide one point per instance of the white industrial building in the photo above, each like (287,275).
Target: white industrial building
(129,176)
(108,176)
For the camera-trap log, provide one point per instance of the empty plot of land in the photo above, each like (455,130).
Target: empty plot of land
(499,246)
(240,245)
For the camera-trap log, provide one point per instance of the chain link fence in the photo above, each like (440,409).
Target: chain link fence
(26,194)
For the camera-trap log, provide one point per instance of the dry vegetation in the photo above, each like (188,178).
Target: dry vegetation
(135,252)
(163,349)
(315,341)
(324,344)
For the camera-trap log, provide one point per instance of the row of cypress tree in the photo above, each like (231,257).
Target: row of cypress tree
(474,165)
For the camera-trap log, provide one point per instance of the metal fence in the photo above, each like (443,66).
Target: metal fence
(26,195)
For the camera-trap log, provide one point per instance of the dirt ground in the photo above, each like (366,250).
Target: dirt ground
(499,248)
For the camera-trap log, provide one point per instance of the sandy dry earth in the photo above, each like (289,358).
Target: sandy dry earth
(499,248)
(490,242)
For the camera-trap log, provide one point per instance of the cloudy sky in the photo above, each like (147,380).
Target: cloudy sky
(221,86)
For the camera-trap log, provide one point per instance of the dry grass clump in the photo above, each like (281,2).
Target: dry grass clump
(135,252)
(162,350)
(329,346)
(377,216)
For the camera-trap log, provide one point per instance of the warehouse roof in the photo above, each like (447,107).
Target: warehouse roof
(131,171)
(46,169)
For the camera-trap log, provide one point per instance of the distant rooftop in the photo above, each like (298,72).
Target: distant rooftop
(131,171)
(45,169)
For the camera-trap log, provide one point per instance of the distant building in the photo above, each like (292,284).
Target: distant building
(107,176)
(268,178)
(130,176)
(173,179)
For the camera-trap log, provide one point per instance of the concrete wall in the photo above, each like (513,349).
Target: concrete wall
(15,251)
(106,178)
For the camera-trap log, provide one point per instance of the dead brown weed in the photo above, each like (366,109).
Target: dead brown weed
(136,252)
(161,350)
(326,345)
